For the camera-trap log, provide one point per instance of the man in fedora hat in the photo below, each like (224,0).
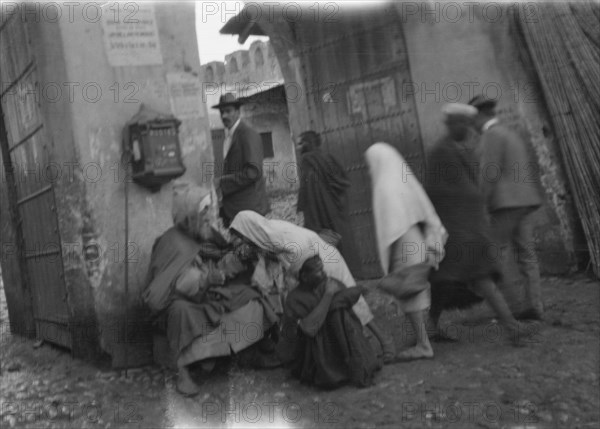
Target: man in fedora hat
(242,185)
(512,190)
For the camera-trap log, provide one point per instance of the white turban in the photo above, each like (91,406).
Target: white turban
(459,109)
(189,200)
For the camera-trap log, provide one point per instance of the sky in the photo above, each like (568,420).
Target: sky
(210,17)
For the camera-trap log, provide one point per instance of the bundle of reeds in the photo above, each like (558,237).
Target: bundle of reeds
(564,45)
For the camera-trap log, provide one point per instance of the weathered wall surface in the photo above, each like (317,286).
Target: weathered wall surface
(455,57)
(256,73)
(267,112)
(283,41)
(244,72)
(85,98)
(70,188)
(97,128)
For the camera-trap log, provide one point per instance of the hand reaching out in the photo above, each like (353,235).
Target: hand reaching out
(215,275)
(333,286)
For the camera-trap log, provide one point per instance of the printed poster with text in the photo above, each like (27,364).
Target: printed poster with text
(131,35)
(185,93)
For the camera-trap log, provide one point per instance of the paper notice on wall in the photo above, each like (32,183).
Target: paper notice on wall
(382,90)
(131,34)
(185,93)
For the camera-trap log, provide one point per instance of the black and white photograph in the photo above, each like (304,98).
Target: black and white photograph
(300,214)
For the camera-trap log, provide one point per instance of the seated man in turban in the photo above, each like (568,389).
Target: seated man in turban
(200,287)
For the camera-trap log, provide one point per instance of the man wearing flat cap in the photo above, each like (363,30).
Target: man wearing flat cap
(242,185)
(454,190)
(512,190)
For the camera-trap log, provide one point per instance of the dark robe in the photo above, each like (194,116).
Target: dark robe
(187,318)
(453,188)
(323,200)
(339,352)
(172,253)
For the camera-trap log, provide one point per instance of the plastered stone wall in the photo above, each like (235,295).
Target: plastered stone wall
(97,131)
(84,125)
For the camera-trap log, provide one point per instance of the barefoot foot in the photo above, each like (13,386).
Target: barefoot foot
(208,365)
(414,353)
(389,351)
(185,384)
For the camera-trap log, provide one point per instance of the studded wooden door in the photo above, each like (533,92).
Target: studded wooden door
(34,173)
(356,73)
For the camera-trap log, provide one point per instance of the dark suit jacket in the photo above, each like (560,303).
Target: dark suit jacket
(242,182)
(510,173)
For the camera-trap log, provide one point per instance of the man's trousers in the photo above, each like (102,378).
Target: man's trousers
(513,234)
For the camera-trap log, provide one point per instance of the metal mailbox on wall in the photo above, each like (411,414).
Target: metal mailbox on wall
(152,141)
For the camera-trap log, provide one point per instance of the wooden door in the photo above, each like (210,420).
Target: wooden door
(34,172)
(357,73)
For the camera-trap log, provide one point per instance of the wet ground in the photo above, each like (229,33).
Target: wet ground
(479,381)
